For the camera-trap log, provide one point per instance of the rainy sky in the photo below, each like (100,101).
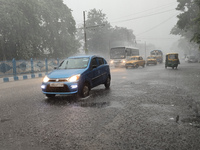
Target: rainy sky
(150,20)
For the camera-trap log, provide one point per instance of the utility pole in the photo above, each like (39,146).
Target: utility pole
(90,27)
(85,38)
(145,49)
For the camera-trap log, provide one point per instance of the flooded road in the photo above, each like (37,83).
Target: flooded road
(145,108)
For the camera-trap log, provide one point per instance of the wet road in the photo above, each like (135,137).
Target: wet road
(139,111)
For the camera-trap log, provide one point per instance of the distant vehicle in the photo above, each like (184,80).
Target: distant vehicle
(135,62)
(158,54)
(119,55)
(172,60)
(78,74)
(191,59)
(151,60)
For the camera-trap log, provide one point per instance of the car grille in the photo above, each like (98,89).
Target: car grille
(58,80)
(57,89)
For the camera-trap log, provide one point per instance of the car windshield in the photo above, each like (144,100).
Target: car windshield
(173,56)
(74,63)
(151,58)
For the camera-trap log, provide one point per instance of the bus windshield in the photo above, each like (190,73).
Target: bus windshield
(117,53)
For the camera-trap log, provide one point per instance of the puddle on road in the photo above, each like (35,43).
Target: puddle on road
(4,120)
(162,108)
(115,104)
(193,121)
(99,105)
(94,104)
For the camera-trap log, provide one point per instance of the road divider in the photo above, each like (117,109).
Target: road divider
(21,77)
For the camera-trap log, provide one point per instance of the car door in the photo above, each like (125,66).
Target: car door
(94,71)
(102,70)
(141,61)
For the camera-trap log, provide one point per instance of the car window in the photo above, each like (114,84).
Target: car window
(133,58)
(74,63)
(171,56)
(101,61)
(93,62)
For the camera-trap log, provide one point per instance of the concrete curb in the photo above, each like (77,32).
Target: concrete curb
(21,77)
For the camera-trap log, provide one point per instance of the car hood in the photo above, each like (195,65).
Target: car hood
(151,59)
(132,61)
(65,73)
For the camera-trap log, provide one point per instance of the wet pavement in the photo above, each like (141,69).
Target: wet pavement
(145,108)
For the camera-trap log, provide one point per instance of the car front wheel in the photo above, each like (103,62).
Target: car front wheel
(107,83)
(85,90)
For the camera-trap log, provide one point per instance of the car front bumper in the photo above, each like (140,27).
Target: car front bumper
(66,88)
(130,65)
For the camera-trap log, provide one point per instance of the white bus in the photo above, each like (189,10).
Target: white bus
(119,55)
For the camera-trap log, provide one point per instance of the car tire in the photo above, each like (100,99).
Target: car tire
(85,90)
(137,66)
(107,83)
(50,95)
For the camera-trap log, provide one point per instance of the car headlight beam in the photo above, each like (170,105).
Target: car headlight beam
(74,78)
(45,79)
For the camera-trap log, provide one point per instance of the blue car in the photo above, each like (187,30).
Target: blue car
(77,75)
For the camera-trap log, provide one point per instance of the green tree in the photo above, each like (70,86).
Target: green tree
(101,35)
(98,31)
(59,29)
(188,24)
(36,28)
(121,36)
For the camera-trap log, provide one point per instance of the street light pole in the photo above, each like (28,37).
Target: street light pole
(145,50)
(85,38)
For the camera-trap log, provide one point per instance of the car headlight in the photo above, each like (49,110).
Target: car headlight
(123,61)
(111,61)
(45,79)
(74,78)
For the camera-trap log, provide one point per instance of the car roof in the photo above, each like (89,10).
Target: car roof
(172,53)
(82,56)
(135,56)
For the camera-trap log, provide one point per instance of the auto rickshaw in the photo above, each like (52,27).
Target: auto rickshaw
(172,60)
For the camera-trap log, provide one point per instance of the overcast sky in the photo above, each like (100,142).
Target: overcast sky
(151,20)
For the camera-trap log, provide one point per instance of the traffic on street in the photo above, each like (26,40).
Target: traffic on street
(144,108)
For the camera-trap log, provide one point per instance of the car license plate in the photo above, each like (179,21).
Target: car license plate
(56,85)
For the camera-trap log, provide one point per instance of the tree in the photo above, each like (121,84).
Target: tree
(59,30)
(36,28)
(98,30)
(101,35)
(121,36)
(188,24)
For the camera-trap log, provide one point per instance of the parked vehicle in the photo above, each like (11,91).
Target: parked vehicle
(135,62)
(151,60)
(172,60)
(78,74)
